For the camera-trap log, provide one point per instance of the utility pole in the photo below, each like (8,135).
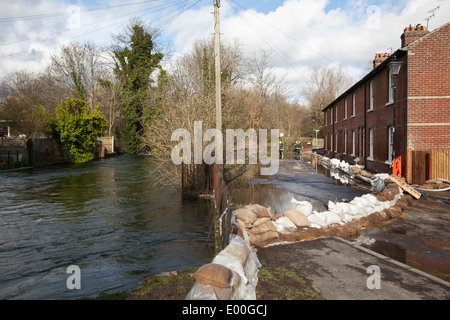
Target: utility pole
(218,72)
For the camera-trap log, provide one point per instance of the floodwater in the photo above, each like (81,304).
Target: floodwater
(420,241)
(107,217)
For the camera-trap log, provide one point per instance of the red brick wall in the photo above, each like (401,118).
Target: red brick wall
(429,91)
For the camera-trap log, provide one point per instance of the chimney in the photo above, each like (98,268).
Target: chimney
(379,58)
(412,33)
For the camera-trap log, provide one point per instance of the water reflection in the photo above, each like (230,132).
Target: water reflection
(108,217)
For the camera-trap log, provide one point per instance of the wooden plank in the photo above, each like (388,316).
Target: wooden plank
(405,186)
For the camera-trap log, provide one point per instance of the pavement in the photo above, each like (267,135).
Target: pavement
(343,270)
(407,258)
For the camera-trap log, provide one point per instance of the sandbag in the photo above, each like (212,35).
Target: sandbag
(303,206)
(261,212)
(261,240)
(262,228)
(298,218)
(247,216)
(284,224)
(239,250)
(213,274)
(260,221)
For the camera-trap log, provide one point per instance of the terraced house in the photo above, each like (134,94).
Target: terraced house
(405,117)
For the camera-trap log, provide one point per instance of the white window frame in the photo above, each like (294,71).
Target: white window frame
(336,143)
(345,141)
(371,144)
(353,142)
(390,144)
(331,142)
(390,89)
(354,105)
(371,96)
(345,108)
(336,115)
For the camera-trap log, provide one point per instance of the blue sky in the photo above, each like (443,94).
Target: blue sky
(300,34)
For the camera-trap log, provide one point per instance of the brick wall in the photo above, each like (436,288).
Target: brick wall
(429,91)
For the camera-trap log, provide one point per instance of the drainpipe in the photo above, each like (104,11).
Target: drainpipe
(365,126)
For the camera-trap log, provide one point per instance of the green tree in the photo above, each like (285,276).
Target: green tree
(76,129)
(136,59)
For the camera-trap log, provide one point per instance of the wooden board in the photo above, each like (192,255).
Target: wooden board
(405,186)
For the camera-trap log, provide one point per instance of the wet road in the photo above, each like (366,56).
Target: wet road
(419,238)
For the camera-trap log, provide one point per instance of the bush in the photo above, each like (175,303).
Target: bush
(76,128)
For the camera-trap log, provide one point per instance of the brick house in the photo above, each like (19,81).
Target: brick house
(360,122)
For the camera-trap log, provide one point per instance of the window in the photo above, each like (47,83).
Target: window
(390,143)
(336,143)
(345,141)
(331,115)
(371,144)
(354,105)
(345,108)
(331,142)
(353,142)
(371,95)
(336,117)
(390,89)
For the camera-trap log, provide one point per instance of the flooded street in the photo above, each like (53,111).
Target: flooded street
(419,238)
(108,217)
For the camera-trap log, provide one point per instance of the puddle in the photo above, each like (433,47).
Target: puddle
(261,191)
(412,258)
(409,248)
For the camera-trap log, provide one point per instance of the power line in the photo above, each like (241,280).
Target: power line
(163,6)
(283,56)
(176,13)
(58,14)
(291,38)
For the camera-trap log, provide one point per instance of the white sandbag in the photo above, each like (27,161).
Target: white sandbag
(317,220)
(229,260)
(201,292)
(283,225)
(332,218)
(303,206)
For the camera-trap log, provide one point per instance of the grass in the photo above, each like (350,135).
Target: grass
(281,283)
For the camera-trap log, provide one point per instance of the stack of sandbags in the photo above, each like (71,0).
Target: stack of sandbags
(256,220)
(263,228)
(433,184)
(232,275)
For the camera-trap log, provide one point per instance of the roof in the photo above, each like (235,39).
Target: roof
(376,70)
(380,67)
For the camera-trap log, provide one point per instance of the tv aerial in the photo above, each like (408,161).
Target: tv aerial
(431,12)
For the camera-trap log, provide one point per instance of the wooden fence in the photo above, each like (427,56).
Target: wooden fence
(424,165)
(201,180)
(440,164)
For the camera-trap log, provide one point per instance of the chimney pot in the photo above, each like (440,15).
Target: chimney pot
(412,33)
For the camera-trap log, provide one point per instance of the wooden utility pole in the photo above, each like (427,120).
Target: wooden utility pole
(218,73)
(217,64)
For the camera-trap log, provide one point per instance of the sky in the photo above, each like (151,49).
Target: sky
(300,34)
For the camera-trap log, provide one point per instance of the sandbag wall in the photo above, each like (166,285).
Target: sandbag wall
(233,273)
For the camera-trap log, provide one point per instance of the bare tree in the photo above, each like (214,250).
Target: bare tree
(78,65)
(20,94)
(323,86)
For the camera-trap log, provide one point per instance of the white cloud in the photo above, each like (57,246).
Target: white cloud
(301,33)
